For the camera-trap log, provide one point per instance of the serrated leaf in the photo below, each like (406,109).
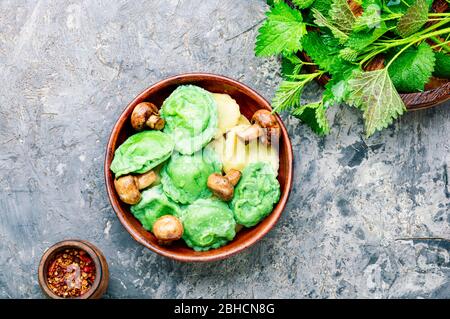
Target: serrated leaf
(374,93)
(319,51)
(401,6)
(314,115)
(371,17)
(337,90)
(442,65)
(323,6)
(281,32)
(414,18)
(348,54)
(322,21)
(323,49)
(290,65)
(287,95)
(342,16)
(411,70)
(360,40)
(303,4)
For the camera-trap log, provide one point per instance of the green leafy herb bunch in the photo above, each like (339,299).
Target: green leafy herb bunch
(370,50)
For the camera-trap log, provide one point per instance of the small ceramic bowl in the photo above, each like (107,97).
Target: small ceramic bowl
(102,274)
(249,102)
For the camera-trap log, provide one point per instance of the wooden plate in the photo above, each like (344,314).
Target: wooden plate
(249,102)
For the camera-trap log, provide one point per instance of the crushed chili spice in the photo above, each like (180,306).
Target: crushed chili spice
(71,273)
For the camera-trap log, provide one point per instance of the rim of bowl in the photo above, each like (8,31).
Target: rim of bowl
(274,215)
(69,244)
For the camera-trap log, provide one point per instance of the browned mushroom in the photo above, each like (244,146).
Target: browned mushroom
(264,125)
(145,180)
(146,114)
(167,229)
(128,187)
(233,176)
(223,186)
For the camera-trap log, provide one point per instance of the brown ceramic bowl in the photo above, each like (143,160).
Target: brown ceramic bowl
(102,273)
(249,102)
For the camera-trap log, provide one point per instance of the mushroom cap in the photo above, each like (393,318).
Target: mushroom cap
(155,122)
(141,113)
(269,124)
(264,118)
(221,186)
(167,229)
(127,189)
(233,176)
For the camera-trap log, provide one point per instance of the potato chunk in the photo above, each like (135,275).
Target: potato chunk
(228,111)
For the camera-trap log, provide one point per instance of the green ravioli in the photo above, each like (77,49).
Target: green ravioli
(191,118)
(153,205)
(208,223)
(184,177)
(141,152)
(255,194)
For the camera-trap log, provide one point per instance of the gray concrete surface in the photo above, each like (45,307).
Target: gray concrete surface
(68,68)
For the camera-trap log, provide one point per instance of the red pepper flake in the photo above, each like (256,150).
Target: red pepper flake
(71,273)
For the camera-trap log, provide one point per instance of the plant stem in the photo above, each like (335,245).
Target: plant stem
(407,41)
(436,19)
(405,3)
(434,26)
(443,14)
(442,44)
(308,63)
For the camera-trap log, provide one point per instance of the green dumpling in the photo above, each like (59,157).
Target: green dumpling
(153,205)
(255,194)
(184,177)
(141,152)
(191,118)
(208,223)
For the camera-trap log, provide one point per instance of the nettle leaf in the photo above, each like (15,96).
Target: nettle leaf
(414,18)
(324,49)
(287,95)
(323,6)
(442,65)
(290,65)
(412,69)
(281,32)
(374,93)
(401,6)
(360,40)
(314,115)
(319,51)
(371,17)
(322,21)
(348,54)
(337,89)
(342,16)
(290,91)
(303,4)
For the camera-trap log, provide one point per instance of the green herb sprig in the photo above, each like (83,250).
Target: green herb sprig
(344,39)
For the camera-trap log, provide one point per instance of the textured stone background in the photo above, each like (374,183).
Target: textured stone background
(68,68)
